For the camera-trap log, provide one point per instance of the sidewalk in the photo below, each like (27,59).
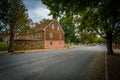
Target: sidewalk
(114,66)
(29,51)
(97,68)
(35,50)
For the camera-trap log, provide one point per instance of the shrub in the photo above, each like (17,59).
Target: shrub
(3,46)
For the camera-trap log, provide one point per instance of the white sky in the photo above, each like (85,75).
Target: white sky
(36,10)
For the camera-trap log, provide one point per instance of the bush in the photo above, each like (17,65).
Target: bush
(3,46)
(67,40)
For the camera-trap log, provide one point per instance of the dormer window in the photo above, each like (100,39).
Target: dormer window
(52,26)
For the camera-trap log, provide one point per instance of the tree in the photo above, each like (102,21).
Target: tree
(69,29)
(104,21)
(44,20)
(88,36)
(14,14)
(103,16)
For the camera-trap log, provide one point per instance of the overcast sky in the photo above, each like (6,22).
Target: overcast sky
(36,10)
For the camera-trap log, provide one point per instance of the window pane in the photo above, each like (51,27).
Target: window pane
(52,26)
(60,36)
(51,35)
(51,43)
(60,43)
(40,35)
(58,28)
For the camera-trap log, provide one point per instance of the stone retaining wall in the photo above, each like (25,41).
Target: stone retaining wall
(28,44)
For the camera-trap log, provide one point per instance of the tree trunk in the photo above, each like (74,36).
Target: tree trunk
(109,46)
(11,45)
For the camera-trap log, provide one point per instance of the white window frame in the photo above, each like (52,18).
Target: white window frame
(51,35)
(60,36)
(58,28)
(53,26)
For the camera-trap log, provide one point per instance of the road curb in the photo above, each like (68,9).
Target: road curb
(29,51)
(106,67)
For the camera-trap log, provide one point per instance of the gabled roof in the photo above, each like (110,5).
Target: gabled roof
(42,26)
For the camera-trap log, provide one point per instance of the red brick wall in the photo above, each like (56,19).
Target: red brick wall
(58,36)
(55,31)
(55,44)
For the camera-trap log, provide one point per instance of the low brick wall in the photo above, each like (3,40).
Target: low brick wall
(116,46)
(28,44)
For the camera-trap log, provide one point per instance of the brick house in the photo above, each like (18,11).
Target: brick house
(47,35)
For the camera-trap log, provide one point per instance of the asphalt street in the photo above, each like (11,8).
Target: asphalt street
(67,64)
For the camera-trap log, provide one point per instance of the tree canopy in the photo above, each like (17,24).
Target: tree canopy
(69,29)
(102,16)
(14,14)
(44,20)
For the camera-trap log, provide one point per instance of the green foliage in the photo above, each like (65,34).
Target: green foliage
(88,36)
(44,20)
(67,40)
(69,29)
(13,11)
(67,7)
(0,27)
(14,14)
(102,16)
(3,46)
(100,40)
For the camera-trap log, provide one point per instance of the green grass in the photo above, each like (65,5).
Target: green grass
(3,46)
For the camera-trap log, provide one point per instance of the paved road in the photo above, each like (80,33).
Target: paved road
(68,64)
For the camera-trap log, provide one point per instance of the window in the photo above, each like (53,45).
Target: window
(52,26)
(60,43)
(60,36)
(51,43)
(58,28)
(51,35)
(17,37)
(32,36)
(36,35)
(40,35)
